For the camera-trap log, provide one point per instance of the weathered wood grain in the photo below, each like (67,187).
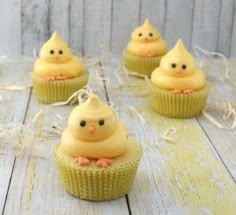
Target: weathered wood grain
(59,17)
(155,10)
(10,27)
(179,20)
(34,24)
(206,24)
(222,140)
(76,25)
(125,17)
(97,25)
(25,25)
(182,177)
(233,30)
(13,106)
(226,27)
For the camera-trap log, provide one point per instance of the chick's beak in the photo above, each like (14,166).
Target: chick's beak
(56,57)
(91,129)
(178,70)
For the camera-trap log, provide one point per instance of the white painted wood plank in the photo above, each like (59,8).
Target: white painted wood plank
(76,25)
(10,27)
(206,24)
(125,17)
(13,105)
(233,36)
(35,26)
(225,27)
(179,19)
(97,25)
(59,17)
(223,140)
(161,186)
(155,10)
(35,184)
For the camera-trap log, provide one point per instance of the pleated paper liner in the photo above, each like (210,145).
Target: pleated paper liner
(143,65)
(178,105)
(97,183)
(57,90)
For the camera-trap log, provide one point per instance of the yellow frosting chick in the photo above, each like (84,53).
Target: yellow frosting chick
(178,71)
(56,60)
(94,132)
(146,41)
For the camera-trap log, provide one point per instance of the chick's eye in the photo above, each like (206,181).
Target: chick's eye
(82,123)
(173,65)
(184,66)
(140,34)
(51,51)
(150,34)
(101,122)
(60,52)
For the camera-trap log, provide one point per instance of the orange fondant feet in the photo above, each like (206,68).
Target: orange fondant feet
(104,162)
(50,78)
(150,54)
(188,91)
(176,91)
(82,160)
(145,54)
(61,77)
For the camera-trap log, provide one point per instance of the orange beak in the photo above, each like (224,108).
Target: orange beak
(178,70)
(91,129)
(146,39)
(56,57)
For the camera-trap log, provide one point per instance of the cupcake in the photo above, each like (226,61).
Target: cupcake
(57,74)
(144,50)
(96,159)
(178,86)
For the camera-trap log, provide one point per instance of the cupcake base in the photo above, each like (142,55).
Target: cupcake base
(178,105)
(143,65)
(57,90)
(97,183)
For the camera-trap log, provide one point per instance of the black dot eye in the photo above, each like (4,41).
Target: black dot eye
(51,51)
(150,34)
(101,122)
(173,65)
(82,123)
(140,34)
(184,66)
(60,52)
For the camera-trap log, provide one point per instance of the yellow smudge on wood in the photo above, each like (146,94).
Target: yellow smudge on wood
(39,126)
(194,173)
(144,180)
(29,185)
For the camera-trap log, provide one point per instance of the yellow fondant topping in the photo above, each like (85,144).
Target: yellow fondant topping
(146,41)
(56,60)
(178,71)
(94,131)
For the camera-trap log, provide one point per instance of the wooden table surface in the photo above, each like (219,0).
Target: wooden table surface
(194,175)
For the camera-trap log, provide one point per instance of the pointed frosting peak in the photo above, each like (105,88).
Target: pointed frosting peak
(180,50)
(95,108)
(56,38)
(180,45)
(93,100)
(147,23)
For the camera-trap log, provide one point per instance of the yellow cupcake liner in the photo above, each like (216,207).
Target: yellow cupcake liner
(97,183)
(57,90)
(178,105)
(143,65)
